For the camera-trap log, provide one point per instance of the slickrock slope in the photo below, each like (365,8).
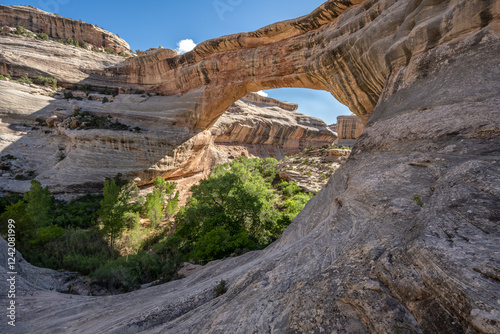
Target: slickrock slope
(58,27)
(22,56)
(363,256)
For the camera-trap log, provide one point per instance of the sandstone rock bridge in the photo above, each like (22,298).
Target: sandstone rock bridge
(362,257)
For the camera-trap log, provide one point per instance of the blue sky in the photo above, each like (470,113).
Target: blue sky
(145,24)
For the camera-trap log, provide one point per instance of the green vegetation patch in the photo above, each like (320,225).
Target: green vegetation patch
(123,240)
(242,206)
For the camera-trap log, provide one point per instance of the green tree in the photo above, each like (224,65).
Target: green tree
(39,202)
(168,196)
(112,212)
(241,206)
(154,207)
(235,203)
(17,212)
(172,206)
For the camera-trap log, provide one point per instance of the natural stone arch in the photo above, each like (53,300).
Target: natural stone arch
(301,53)
(351,56)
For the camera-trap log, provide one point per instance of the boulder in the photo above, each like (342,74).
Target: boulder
(52,121)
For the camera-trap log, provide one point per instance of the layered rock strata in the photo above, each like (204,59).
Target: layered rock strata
(265,127)
(349,128)
(364,256)
(58,27)
(22,56)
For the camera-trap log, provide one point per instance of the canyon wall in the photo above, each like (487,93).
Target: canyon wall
(265,127)
(59,27)
(404,238)
(349,128)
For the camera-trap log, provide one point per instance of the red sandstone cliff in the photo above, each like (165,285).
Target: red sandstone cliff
(58,27)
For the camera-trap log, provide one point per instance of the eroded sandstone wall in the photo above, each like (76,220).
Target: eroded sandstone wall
(59,27)
(349,127)
(265,127)
(158,141)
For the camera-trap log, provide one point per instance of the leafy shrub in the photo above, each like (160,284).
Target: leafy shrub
(42,36)
(219,243)
(2,77)
(418,200)
(110,51)
(220,288)
(93,121)
(20,31)
(296,203)
(78,213)
(132,220)
(83,264)
(47,234)
(76,250)
(128,273)
(71,41)
(46,81)
(9,200)
(25,80)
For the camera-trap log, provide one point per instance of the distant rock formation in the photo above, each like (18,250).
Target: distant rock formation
(265,127)
(333,127)
(349,128)
(58,27)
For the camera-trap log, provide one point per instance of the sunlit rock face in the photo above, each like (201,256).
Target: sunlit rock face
(349,128)
(364,256)
(264,127)
(58,27)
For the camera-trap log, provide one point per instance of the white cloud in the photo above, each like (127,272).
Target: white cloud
(262,93)
(185,45)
